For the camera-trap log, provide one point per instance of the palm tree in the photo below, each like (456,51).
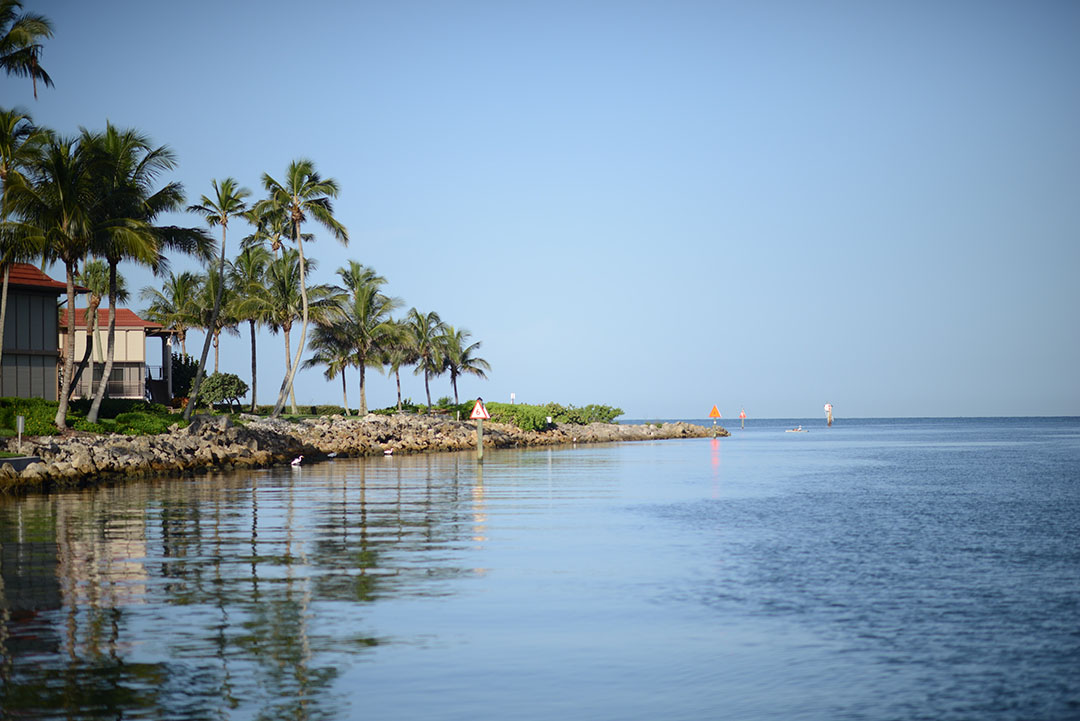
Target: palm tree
(95,277)
(127,167)
(303,193)
(459,358)
(56,210)
(332,347)
(284,304)
(20,145)
(174,305)
(210,291)
(425,330)
(247,275)
(20,42)
(368,323)
(228,202)
(398,352)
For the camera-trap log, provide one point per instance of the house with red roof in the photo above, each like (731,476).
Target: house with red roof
(31,356)
(131,375)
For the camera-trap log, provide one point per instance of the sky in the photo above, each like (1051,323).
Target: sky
(658,205)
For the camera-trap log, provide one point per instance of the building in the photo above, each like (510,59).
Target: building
(31,356)
(131,376)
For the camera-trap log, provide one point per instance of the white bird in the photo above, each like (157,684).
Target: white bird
(332,454)
(296,461)
(388,451)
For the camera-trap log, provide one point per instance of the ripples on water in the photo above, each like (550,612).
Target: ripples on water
(877,570)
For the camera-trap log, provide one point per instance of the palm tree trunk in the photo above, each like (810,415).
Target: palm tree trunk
(427,389)
(69,350)
(345,392)
(110,353)
(213,322)
(287,384)
(288,367)
(397,376)
(87,360)
(453,382)
(3,310)
(254,391)
(363,392)
(217,349)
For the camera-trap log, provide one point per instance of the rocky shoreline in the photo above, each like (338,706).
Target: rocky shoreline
(216,443)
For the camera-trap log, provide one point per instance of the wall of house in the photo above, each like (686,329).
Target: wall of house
(30,351)
(130,345)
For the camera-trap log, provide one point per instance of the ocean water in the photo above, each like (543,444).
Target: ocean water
(878,569)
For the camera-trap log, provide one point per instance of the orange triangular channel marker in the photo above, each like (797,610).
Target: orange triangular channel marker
(715,413)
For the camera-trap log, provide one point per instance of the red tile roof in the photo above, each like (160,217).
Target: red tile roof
(125,318)
(28,276)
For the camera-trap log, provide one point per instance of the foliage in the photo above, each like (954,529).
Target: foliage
(525,417)
(38,414)
(184,368)
(534,418)
(221,388)
(582,416)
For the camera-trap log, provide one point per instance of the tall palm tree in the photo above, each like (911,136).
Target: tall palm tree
(284,304)
(332,347)
(175,305)
(56,209)
(224,321)
(459,356)
(127,167)
(20,42)
(95,277)
(247,274)
(304,193)
(228,202)
(367,319)
(425,329)
(398,352)
(20,145)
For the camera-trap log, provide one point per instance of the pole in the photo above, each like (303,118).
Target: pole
(20,422)
(479,440)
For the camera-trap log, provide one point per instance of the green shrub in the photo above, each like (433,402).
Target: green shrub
(525,417)
(184,368)
(222,388)
(136,424)
(39,415)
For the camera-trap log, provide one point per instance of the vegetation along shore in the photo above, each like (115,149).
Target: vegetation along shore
(224,442)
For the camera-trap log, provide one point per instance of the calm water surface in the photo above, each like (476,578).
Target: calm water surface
(910,569)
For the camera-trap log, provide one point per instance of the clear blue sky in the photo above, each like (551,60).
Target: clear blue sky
(655,205)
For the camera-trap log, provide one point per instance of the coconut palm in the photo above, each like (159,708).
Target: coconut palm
(332,347)
(95,277)
(20,145)
(369,326)
(398,352)
(212,293)
(175,305)
(424,330)
(228,202)
(246,276)
(20,42)
(127,167)
(304,193)
(459,356)
(284,304)
(55,208)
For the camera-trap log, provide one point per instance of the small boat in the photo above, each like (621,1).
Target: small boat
(800,429)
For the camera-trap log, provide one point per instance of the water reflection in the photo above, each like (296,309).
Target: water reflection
(223,594)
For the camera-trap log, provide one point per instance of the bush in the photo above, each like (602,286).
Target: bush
(525,417)
(184,368)
(222,387)
(137,424)
(39,415)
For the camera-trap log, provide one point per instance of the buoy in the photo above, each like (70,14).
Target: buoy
(296,461)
